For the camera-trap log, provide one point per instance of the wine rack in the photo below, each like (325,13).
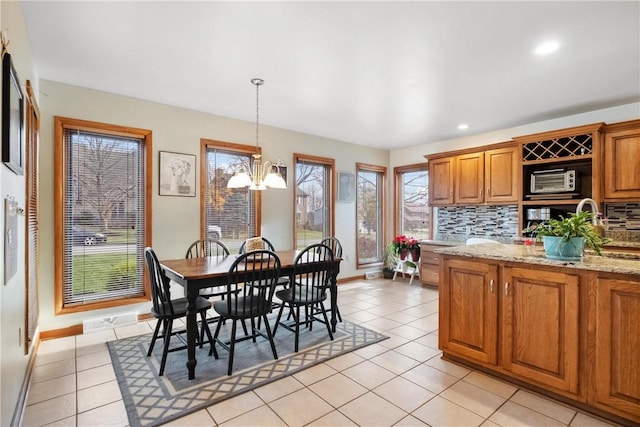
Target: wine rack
(558,148)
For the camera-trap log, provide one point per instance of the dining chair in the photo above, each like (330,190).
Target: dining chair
(256,274)
(167,310)
(312,272)
(204,248)
(266,244)
(336,247)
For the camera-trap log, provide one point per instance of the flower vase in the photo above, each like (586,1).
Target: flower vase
(415,254)
(403,254)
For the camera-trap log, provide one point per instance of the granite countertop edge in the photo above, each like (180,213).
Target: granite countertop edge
(517,253)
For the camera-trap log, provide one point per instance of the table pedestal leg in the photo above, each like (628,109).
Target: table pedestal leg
(192,333)
(334,300)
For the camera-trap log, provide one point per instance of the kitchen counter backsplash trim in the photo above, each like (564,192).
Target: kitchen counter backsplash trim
(516,253)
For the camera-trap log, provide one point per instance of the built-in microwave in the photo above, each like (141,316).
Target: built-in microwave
(554,181)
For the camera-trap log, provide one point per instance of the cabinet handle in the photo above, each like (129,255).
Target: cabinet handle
(491,286)
(506,288)
(488,191)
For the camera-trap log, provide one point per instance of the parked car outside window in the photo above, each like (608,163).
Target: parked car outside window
(86,237)
(214,232)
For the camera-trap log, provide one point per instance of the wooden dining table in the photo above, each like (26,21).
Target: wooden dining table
(198,273)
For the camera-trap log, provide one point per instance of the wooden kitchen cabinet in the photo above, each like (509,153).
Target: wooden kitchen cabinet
(622,162)
(476,177)
(469,310)
(539,320)
(429,264)
(469,182)
(501,177)
(441,181)
(536,309)
(617,369)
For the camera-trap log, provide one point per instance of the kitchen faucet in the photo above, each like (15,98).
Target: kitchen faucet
(594,208)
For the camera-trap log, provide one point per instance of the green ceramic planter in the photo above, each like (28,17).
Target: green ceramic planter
(561,249)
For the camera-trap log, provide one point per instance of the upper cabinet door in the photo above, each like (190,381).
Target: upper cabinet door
(622,165)
(441,174)
(502,172)
(470,179)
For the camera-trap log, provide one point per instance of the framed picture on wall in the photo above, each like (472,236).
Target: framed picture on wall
(177,174)
(346,187)
(12,117)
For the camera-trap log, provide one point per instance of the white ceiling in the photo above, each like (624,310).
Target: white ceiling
(381,74)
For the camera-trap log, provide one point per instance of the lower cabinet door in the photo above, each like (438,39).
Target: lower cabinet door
(618,345)
(469,310)
(540,326)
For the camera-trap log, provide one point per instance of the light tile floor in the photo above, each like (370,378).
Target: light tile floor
(401,381)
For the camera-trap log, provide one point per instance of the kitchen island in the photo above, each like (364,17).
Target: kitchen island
(569,329)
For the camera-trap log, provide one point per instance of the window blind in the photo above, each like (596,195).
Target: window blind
(104,205)
(231,214)
(32,258)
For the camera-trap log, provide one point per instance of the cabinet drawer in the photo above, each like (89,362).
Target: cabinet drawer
(429,275)
(429,258)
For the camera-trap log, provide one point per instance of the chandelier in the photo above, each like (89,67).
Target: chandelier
(259,175)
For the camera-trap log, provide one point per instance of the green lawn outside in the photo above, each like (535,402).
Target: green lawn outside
(94,273)
(121,236)
(307,237)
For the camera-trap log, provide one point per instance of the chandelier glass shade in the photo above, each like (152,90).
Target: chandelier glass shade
(259,175)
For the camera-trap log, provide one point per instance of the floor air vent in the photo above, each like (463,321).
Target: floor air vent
(372,274)
(93,325)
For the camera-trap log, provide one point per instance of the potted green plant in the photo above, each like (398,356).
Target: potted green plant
(565,238)
(390,261)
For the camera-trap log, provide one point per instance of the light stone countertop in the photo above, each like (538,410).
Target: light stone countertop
(518,253)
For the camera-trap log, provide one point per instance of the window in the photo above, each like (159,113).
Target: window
(231,215)
(102,210)
(412,213)
(313,199)
(32,262)
(370,213)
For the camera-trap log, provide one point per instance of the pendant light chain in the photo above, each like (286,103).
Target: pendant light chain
(257,83)
(259,175)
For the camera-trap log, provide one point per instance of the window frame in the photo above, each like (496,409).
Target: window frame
(60,175)
(383,204)
(229,146)
(331,164)
(397,191)
(32,233)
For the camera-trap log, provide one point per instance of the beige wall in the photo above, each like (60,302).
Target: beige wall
(176,219)
(13,361)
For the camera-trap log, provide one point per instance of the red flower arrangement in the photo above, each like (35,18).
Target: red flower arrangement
(403,244)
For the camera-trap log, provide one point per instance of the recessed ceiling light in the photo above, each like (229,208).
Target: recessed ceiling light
(463,126)
(546,48)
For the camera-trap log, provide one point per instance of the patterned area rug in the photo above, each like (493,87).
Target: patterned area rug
(152,400)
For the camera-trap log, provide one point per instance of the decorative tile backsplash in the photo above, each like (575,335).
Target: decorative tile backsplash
(493,222)
(623,220)
(623,216)
(457,223)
